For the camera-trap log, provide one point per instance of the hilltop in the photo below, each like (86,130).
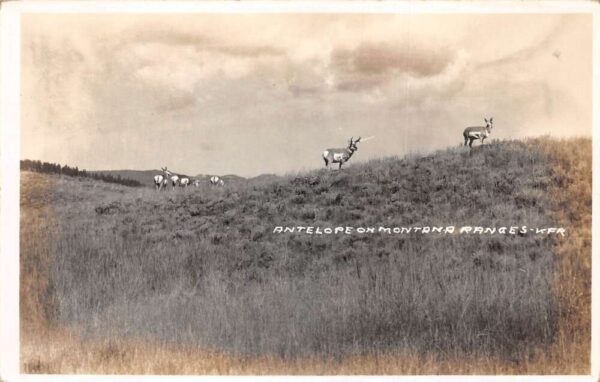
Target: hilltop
(203,267)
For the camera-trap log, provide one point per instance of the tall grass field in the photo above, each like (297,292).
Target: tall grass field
(121,280)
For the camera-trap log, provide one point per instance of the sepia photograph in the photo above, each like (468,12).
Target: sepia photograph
(316,192)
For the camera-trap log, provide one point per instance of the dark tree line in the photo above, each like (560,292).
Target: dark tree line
(55,168)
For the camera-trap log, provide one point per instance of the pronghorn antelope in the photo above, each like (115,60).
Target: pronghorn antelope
(196,183)
(177,179)
(161,181)
(172,177)
(478,132)
(340,156)
(216,181)
(184,181)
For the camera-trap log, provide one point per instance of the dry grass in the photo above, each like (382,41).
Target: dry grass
(143,282)
(52,352)
(571,206)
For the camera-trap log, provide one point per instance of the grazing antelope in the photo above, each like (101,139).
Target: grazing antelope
(184,181)
(177,179)
(172,177)
(340,156)
(159,181)
(216,181)
(478,132)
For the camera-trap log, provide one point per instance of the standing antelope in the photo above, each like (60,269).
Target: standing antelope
(174,178)
(158,182)
(478,132)
(216,181)
(182,180)
(161,181)
(340,156)
(196,183)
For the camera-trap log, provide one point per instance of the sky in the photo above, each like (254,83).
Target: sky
(249,94)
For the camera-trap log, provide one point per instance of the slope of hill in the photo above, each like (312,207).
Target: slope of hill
(65,170)
(263,178)
(208,269)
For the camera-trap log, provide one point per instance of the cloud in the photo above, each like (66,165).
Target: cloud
(372,63)
(202,42)
(176,102)
(528,52)
(357,83)
(297,90)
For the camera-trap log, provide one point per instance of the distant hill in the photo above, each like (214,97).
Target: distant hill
(65,170)
(264,178)
(233,177)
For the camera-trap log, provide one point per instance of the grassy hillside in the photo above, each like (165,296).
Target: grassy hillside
(202,268)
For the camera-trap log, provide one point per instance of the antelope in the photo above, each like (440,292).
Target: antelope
(184,181)
(159,182)
(478,132)
(196,183)
(176,179)
(340,156)
(216,181)
(171,177)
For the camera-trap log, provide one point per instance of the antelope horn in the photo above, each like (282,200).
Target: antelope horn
(358,140)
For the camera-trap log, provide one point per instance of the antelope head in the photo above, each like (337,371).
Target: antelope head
(168,173)
(352,144)
(488,124)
